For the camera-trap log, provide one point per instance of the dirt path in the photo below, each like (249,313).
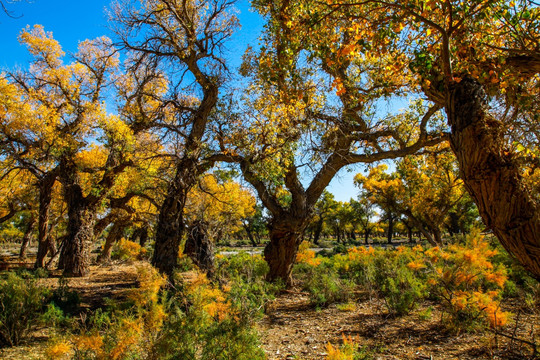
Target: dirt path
(294,330)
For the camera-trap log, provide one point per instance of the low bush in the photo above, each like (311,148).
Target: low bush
(398,281)
(325,287)
(358,265)
(128,250)
(242,277)
(349,350)
(320,278)
(197,319)
(468,284)
(21,304)
(122,331)
(64,298)
(206,324)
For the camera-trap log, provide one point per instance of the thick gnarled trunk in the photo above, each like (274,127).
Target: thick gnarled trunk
(170,226)
(169,232)
(280,252)
(75,257)
(113,236)
(27,236)
(199,247)
(492,176)
(44,240)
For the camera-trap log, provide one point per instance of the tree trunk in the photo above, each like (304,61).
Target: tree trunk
(437,236)
(27,236)
(169,232)
(409,230)
(318,230)
(45,198)
(280,252)
(390,228)
(140,235)
(250,235)
(170,226)
(366,237)
(75,256)
(491,175)
(453,225)
(199,247)
(113,236)
(338,235)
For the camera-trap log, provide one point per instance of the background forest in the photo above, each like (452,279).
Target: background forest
(195,190)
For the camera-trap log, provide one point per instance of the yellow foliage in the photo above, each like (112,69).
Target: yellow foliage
(222,205)
(92,343)
(345,352)
(209,299)
(58,350)
(415,265)
(150,282)
(127,249)
(470,284)
(128,335)
(307,256)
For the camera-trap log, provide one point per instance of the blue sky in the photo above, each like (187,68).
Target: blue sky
(74,21)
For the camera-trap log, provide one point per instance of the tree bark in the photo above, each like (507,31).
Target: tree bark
(250,235)
(199,247)
(491,174)
(27,236)
(112,237)
(366,236)
(75,256)
(45,197)
(170,226)
(280,252)
(140,235)
(390,228)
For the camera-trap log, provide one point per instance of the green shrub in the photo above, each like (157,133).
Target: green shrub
(191,335)
(243,264)
(401,287)
(324,285)
(243,278)
(21,304)
(65,298)
(358,265)
(53,316)
(205,322)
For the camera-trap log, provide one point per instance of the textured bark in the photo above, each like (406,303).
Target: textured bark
(44,240)
(140,235)
(170,226)
(390,232)
(280,253)
(318,231)
(250,235)
(75,256)
(492,176)
(27,236)
(113,236)
(199,247)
